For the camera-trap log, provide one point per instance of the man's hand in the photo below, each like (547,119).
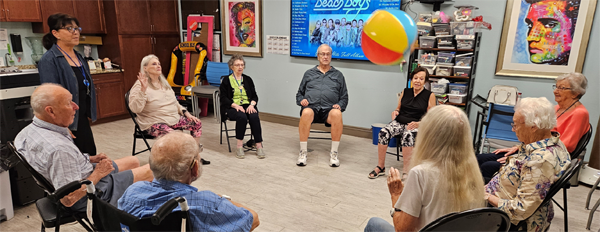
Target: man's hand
(509,151)
(336,106)
(395,114)
(191,117)
(394,182)
(97,158)
(304,102)
(250,110)
(104,167)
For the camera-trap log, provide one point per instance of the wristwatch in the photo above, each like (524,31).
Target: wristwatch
(394,210)
(253,103)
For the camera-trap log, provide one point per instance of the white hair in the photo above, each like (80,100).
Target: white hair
(577,81)
(161,78)
(324,46)
(537,112)
(172,156)
(43,96)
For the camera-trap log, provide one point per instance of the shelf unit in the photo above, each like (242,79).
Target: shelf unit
(470,79)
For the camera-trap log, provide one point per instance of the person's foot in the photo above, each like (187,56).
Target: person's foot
(204,162)
(302,158)
(333,159)
(240,153)
(378,171)
(260,153)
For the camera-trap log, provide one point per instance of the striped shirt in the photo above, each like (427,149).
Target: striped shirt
(50,150)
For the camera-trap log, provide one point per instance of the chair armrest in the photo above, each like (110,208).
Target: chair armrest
(69,188)
(166,209)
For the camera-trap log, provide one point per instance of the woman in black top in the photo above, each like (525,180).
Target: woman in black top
(64,66)
(238,100)
(413,104)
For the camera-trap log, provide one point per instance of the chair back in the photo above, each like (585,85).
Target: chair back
(482,219)
(582,144)
(563,181)
(133,115)
(41,181)
(499,121)
(214,72)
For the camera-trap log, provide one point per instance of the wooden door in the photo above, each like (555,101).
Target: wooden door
(132,17)
(163,47)
(110,98)
(133,49)
(163,15)
(22,11)
(91,16)
(2,12)
(50,7)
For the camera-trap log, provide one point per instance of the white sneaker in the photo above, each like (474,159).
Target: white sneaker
(333,159)
(302,158)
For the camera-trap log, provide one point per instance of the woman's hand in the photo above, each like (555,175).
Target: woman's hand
(250,109)
(412,126)
(143,80)
(191,117)
(509,151)
(394,183)
(237,107)
(395,114)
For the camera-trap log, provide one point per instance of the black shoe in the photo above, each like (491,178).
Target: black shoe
(204,162)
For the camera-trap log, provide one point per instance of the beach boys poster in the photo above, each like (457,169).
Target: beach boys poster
(338,23)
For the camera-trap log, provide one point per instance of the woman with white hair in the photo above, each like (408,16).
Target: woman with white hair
(572,121)
(444,177)
(156,106)
(522,184)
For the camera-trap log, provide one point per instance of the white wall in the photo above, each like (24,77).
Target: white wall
(372,89)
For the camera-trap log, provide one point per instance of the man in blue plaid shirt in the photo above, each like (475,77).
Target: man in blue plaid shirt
(174,162)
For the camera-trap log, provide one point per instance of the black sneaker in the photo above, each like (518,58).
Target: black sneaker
(204,162)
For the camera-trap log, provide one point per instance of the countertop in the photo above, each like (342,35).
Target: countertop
(91,71)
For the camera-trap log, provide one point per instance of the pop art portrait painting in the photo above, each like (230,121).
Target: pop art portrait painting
(243,27)
(544,38)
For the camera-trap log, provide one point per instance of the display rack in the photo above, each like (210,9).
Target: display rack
(472,74)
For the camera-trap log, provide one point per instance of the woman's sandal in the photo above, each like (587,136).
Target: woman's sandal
(373,174)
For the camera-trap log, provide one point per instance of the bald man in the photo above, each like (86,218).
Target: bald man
(48,147)
(174,162)
(323,97)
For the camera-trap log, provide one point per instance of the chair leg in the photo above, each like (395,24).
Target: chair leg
(397,150)
(227,136)
(566,214)
(147,144)
(589,196)
(133,150)
(221,139)
(591,216)
(44,228)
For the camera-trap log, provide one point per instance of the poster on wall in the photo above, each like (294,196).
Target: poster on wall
(544,38)
(336,23)
(278,44)
(242,27)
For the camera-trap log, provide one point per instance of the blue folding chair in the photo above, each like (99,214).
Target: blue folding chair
(214,72)
(498,129)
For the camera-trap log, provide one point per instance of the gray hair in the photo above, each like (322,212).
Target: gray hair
(324,46)
(43,96)
(577,81)
(162,78)
(172,156)
(234,58)
(537,112)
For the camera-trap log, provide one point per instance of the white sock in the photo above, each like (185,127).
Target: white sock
(303,146)
(334,146)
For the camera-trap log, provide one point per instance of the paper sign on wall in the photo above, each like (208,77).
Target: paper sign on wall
(278,44)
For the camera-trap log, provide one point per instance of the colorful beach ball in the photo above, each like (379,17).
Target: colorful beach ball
(388,36)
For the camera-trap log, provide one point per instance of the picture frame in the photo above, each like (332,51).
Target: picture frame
(526,50)
(242,38)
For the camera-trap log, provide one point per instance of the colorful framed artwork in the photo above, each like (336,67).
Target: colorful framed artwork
(544,38)
(242,27)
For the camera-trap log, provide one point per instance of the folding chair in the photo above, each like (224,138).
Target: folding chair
(248,146)
(561,183)
(51,210)
(579,153)
(109,218)
(137,132)
(215,72)
(482,219)
(498,129)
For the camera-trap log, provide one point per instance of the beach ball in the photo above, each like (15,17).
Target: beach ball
(388,36)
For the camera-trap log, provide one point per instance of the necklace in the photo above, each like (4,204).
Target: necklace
(566,109)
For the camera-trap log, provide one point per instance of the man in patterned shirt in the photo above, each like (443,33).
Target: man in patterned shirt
(48,147)
(174,162)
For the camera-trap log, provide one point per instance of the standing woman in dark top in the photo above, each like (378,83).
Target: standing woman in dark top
(413,104)
(62,65)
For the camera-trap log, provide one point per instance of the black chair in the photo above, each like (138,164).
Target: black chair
(51,210)
(483,219)
(561,183)
(137,132)
(250,145)
(579,153)
(109,218)
(398,148)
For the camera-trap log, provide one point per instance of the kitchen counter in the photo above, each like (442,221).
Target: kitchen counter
(106,71)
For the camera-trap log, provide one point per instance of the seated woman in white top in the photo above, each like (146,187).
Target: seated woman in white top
(156,106)
(444,177)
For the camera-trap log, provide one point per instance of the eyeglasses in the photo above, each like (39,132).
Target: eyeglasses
(560,88)
(513,125)
(324,54)
(72,29)
(238,65)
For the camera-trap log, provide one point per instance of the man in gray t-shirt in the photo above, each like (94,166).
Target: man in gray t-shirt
(323,97)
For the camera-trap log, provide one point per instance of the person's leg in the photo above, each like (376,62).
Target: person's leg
(142,173)
(241,120)
(408,143)
(257,133)
(337,124)
(385,135)
(127,163)
(376,224)
(306,118)
(482,158)
(159,129)
(489,168)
